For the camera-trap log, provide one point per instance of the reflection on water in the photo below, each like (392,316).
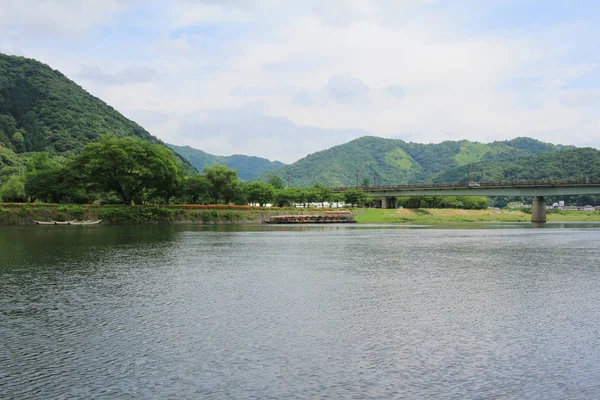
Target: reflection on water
(356,311)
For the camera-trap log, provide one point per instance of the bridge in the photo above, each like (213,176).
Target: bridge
(535,189)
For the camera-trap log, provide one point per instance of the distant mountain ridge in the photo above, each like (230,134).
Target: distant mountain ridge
(569,164)
(43,110)
(248,167)
(394,161)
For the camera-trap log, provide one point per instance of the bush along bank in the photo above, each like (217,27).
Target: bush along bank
(27,213)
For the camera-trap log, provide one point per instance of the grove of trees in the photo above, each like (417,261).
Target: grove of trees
(134,171)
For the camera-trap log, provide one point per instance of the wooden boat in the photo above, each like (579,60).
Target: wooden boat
(88,222)
(333,217)
(73,222)
(62,222)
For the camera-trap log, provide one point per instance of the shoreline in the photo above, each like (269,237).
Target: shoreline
(26,214)
(445,215)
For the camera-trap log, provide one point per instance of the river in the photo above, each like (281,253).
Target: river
(300,312)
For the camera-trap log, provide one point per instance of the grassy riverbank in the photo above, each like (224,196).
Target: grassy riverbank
(26,214)
(433,216)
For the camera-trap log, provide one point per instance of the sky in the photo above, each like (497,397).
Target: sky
(281,79)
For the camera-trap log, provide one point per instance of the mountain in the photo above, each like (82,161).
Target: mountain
(577,164)
(43,110)
(395,162)
(248,167)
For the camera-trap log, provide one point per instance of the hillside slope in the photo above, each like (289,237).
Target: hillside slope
(43,110)
(395,162)
(248,167)
(572,164)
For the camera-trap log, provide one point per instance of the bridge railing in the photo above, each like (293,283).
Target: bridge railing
(473,185)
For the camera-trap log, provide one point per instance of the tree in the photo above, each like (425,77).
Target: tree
(197,188)
(310,196)
(131,168)
(276,182)
(260,192)
(355,197)
(336,198)
(288,197)
(323,194)
(224,182)
(56,185)
(18,141)
(40,161)
(13,189)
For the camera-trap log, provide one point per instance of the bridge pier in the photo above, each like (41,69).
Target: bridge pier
(538,209)
(389,202)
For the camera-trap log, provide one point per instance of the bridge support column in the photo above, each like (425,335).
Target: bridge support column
(389,202)
(538,209)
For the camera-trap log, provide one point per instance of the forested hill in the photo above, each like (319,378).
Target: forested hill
(42,110)
(394,162)
(577,164)
(248,167)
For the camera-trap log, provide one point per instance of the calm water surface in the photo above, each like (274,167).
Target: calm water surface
(300,312)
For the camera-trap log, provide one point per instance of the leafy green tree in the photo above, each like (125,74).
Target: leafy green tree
(57,185)
(355,197)
(276,181)
(323,194)
(310,196)
(198,189)
(287,197)
(474,202)
(8,126)
(259,192)
(337,198)
(224,182)
(13,189)
(460,202)
(40,161)
(18,140)
(234,193)
(131,168)
(302,196)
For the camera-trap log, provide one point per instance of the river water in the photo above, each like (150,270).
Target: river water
(340,312)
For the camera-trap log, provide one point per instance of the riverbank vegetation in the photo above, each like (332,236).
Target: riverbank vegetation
(131,171)
(438,216)
(26,214)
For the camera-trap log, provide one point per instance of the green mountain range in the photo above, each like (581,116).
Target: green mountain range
(396,162)
(43,110)
(248,167)
(570,164)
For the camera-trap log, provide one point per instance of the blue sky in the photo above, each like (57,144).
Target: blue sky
(283,79)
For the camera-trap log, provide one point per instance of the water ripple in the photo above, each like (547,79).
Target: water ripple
(307,314)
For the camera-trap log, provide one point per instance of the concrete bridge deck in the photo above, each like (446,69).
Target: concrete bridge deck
(535,189)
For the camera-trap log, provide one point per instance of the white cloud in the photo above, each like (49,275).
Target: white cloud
(396,91)
(219,132)
(395,68)
(128,75)
(347,89)
(61,18)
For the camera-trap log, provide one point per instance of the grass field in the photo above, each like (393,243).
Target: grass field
(432,216)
